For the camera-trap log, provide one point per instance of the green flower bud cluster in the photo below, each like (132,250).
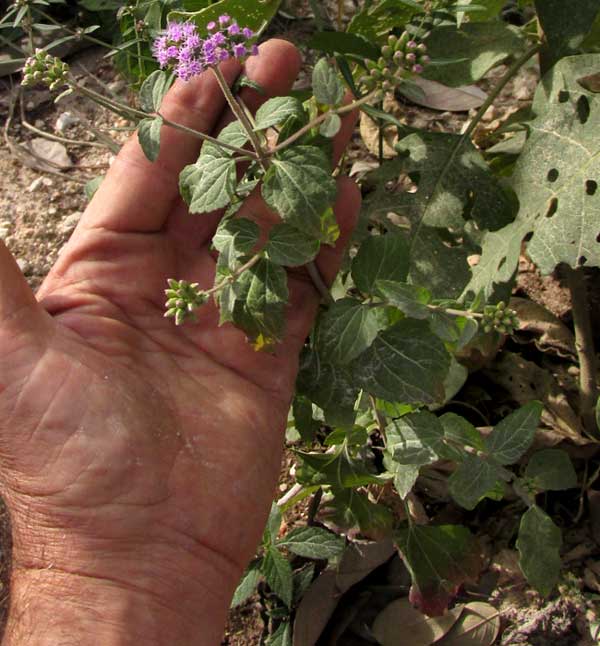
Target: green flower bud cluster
(402,57)
(499,318)
(46,69)
(183,299)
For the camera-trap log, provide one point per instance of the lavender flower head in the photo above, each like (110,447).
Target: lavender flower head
(181,48)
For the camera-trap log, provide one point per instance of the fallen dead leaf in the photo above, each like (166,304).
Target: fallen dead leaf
(399,624)
(437,96)
(478,625)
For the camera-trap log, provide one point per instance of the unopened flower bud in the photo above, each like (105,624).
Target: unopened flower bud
(411,58)
(417,69)
(411,45)
(392,40)
(399,58)
(425,60)
(404,38)
(422,48)
(387,52)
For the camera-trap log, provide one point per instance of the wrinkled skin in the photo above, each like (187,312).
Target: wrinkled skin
(130,448)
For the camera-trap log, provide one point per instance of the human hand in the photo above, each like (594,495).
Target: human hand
(138,460)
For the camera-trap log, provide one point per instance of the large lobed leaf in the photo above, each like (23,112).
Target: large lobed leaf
(558,174)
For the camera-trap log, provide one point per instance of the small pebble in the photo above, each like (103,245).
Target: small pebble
(3,233)
(52,210)
(23,265)
(37,182)
(70,222)
(64,121)
(39,124)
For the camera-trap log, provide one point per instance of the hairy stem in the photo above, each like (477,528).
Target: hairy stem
(242,117)
(235,275)
(124,110)
(315,122)
(584,343)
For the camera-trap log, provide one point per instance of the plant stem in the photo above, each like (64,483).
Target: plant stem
(584,343)
(308,127)
(123,110)
(235,275)
(510,72)
(242,117)
(314,507)
(319,283)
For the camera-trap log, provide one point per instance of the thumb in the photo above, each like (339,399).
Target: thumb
(15,295)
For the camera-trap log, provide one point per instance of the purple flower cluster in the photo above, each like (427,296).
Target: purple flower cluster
(182,48)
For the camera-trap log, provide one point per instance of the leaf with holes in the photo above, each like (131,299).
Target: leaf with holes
(440,559)
(558,174)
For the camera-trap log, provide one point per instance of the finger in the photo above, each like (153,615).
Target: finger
(304,297)
(137,195)
(17,301)
(275,69)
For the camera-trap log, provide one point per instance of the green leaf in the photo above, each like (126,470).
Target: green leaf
(565,25)
(331,126)
(92,186)
(539,544)
(302,581)
(332,42)
(275,111)
(409,299)
(210,183)
(261,296)
(313,543)
(247,585)
(300,188)
(455,191)
(290,247)
(405,446)
(472,480)
(340,469)
(278,574)
(304,422)
(556,177)
(346,330)
(273,525)
(376,20)
(149,137)
(477,48)
(327,86)
(352,509)
(380,258)
(153,90)
(551,470)
(241,234)
(514,434)
(249,13)
(458,430)
(427,427)
(406,362)
(328,386)
(440,559)
(282,636)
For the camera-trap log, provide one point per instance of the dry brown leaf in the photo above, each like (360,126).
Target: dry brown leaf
(399,624)
(478,625)
(437,96)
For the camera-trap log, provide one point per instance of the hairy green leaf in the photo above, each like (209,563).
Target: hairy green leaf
(328,386)
(332,42)
(476,48)
(514,434)
(472,480)
(290,247)
(247,585)
(380,258)
(557,175)
(282,636)
(539,544)
(327,86)
(149,137)
(313,543)
(299,187)
(551,470)
(276,111)
(406,362)
(440,559)
(278,574)
(250,13)
(376,20)
(409,299)
(241,234)
(565,25)
(346,330)
(459,431)
(454,187)
(331,126)
(428,429)
(153,90)
(352,508)
(405,446)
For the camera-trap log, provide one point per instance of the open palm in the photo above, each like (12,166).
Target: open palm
(119,433)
